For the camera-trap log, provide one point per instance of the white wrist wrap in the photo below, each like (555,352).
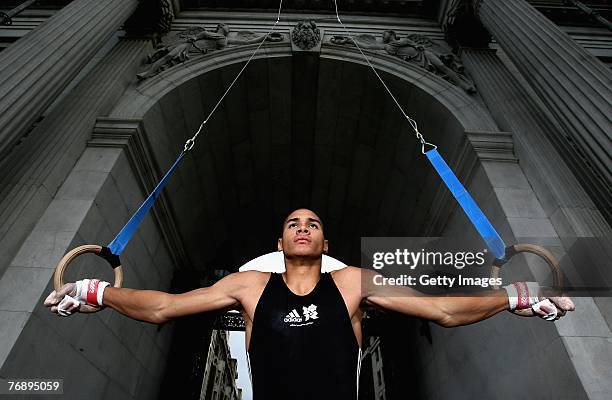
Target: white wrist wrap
(512,297)
(100,294)
(522,295)
(87,291)
(91,291)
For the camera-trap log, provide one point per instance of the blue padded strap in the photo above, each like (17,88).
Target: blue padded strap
(126,233)
(474,213)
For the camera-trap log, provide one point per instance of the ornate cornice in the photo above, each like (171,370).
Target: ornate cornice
(469,114)
(493,146)
(196,41)
(419,50)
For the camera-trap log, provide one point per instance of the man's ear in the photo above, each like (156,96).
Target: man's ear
(279,245)
(325,246)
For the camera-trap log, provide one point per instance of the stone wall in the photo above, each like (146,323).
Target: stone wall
(106,354)
(507,356)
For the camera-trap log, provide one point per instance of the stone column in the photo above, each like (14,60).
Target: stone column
(564,203)
(571,82)
(38,67)
(516,110)
(33,171)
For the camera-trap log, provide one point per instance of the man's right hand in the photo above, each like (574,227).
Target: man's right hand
(69,298)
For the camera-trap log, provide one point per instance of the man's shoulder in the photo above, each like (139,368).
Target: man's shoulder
(347,274)
(242,283)
(353,275)
(251,276)
(349,281)
(348,270)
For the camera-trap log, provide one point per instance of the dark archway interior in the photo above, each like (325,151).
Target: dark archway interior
(297,131)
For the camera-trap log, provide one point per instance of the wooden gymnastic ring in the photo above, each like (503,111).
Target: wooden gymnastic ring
(550,259)
(58,277)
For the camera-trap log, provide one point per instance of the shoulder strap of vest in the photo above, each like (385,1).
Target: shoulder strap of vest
(276,279)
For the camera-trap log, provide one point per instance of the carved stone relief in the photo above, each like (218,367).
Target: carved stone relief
(192,41)
(306,35)
(416,49)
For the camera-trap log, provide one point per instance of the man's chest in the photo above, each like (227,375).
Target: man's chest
(306,308)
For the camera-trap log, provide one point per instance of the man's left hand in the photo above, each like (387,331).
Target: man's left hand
(530,299)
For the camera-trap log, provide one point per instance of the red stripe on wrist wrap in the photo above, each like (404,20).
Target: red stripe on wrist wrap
(92,292)
(522,295)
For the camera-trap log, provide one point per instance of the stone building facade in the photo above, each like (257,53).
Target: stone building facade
(99,96)
(221,370)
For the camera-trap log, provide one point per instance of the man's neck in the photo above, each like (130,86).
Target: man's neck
(302,275)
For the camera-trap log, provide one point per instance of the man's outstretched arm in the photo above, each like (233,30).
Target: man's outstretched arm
(451,310)
(159,307)
(151,305)
(447,311)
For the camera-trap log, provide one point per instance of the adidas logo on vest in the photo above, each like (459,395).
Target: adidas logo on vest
(309,314)
(293,316)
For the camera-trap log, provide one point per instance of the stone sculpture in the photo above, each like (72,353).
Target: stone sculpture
(417,49)
(179,47)
(306,35)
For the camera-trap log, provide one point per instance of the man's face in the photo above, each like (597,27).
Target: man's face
(302,235)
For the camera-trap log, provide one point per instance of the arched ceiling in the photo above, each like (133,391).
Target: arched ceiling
(296,131)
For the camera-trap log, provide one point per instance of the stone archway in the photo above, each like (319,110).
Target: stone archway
(337,124)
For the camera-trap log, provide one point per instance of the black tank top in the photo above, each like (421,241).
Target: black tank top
(303,347)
